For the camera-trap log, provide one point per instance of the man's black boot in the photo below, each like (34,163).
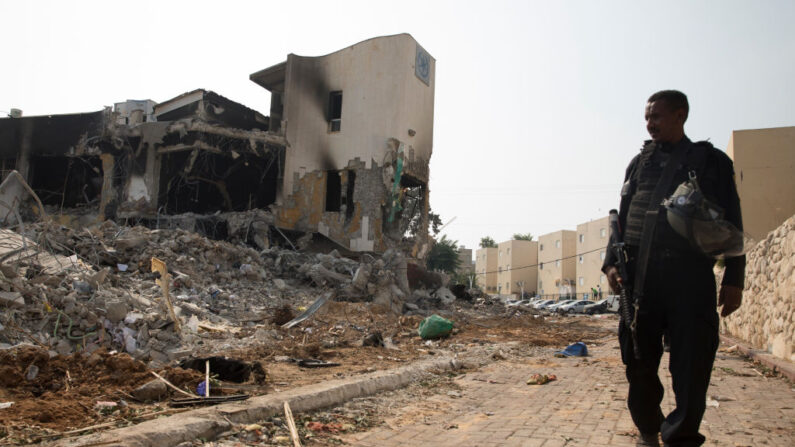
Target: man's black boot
(648,440)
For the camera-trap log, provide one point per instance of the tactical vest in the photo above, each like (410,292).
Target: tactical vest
(640,186)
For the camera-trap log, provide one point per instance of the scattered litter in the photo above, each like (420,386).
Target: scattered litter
(32,372)
(374,339)
(201,388)
(315,363)
(207,400)
(435,327)
(4,405)
(333,427)
(577,349)
(122,267)
(713,403)
(541,379)
(309,312)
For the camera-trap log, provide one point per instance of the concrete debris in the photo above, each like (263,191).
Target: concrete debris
(216,287)
(151,391)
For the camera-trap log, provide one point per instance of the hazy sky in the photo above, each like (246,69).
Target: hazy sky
(539,105)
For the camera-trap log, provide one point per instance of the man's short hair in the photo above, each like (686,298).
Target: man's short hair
(674,98)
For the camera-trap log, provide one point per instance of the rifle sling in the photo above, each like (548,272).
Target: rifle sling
(650,219)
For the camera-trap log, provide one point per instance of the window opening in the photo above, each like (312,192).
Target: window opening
(349,188)
(335,111)
(333,191)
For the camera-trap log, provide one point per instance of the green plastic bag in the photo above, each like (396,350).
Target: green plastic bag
(435,327)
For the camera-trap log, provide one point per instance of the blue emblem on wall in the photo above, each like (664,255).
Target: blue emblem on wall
(422,65)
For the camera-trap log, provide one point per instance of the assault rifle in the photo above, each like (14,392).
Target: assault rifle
(628,306)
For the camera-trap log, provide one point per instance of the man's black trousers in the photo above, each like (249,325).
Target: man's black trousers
(680,301)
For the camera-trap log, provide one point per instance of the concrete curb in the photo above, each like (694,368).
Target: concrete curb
(780,365)
(209,422)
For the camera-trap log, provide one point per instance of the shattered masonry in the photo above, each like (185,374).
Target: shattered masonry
(344,153)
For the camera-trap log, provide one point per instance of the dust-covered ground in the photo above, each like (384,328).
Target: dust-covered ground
(86,323)
(94,391)
(513,339)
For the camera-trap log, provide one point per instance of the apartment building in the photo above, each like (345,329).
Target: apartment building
(466,266)
(486,269)
(763,165)
(556,263)
(517,270)
(592,245)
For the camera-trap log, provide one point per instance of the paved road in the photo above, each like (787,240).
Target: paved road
(584,407)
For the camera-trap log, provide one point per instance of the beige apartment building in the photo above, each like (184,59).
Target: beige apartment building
(764,163)
(517,267)
(557,264)
(486,269)
(592,244)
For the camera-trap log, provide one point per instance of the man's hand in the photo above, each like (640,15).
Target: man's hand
(730,297)
(613,278)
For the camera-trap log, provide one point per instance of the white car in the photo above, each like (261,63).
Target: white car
(553,308)
(543,304)
(576,306)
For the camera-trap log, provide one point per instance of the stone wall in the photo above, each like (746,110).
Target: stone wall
(766,319)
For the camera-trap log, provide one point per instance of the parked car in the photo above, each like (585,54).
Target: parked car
(598,307)
(575,306)
(543,304)
(554,307)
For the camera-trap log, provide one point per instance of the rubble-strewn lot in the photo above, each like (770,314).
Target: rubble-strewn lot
(85,323)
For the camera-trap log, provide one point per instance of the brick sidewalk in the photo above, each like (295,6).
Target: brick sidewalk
(585,407)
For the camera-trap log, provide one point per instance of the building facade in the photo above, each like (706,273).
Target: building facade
(764,162)
(592,244)
(517,267)
(486,269)
(359,124)
(465,266)
(557,264)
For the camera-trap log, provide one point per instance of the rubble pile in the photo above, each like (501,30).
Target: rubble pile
(767,316)
(79,290)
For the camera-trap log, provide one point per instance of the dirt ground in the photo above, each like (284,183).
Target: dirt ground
(72,395)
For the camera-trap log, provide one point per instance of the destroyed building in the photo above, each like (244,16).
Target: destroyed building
(359,123)
(344,153)
(197,153)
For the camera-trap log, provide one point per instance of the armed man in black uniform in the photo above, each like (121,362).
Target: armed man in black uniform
(671,246)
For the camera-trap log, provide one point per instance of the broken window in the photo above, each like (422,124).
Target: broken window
(335,111)
(66,182)
(204,182)
(349,189)
(333,191)
(412,204)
